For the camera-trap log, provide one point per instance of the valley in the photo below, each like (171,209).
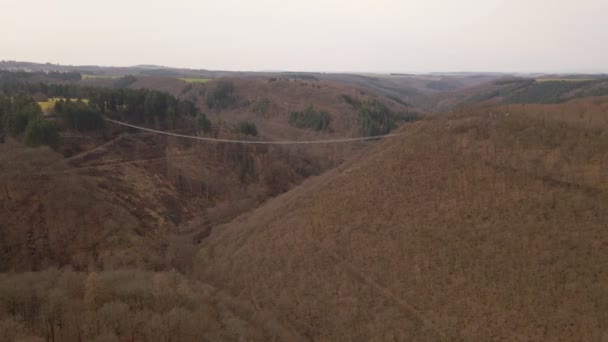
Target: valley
(480,216)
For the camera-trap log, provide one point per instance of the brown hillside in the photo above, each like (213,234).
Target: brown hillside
(484,225)
(138,200)
(55,214)
(126,198)
(126,305)
(268,102)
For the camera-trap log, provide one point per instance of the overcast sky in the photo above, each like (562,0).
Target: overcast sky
(312,35)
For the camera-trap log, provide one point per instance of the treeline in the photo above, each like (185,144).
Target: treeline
(26,76)
(21,83)
(138,105)
(21,117)
(141,105)
(79,115)
(318,120)
(375,118)
(83,108)
(128,305)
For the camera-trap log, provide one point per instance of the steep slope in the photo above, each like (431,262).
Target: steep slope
(57,215)
(484,225)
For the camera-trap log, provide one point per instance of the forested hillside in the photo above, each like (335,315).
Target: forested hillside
(485,224)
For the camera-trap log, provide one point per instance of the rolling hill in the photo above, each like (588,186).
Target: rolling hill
(509,90)
(486,224)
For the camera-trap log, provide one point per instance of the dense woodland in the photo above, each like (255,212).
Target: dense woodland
(21,116)
(82,108)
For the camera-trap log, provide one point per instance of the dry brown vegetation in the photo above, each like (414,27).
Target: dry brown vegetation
(54,215)
(487,224)
(126,305)
(269,102)
(129,201)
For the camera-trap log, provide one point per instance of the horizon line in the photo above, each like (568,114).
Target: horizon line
(402,73)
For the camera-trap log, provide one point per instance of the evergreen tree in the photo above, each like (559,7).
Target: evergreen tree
(41,132)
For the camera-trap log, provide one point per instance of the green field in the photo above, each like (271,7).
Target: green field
(101,77)
(195,80)
(48,105)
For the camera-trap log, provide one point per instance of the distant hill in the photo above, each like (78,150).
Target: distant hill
(403,87)
(546,89)
(149,66)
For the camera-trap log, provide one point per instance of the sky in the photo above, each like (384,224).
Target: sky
(312,35)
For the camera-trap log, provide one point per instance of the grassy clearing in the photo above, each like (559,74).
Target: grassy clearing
(48,105)
(195,80)
(99,77)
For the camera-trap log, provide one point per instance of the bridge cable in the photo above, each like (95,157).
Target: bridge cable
(260,142)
